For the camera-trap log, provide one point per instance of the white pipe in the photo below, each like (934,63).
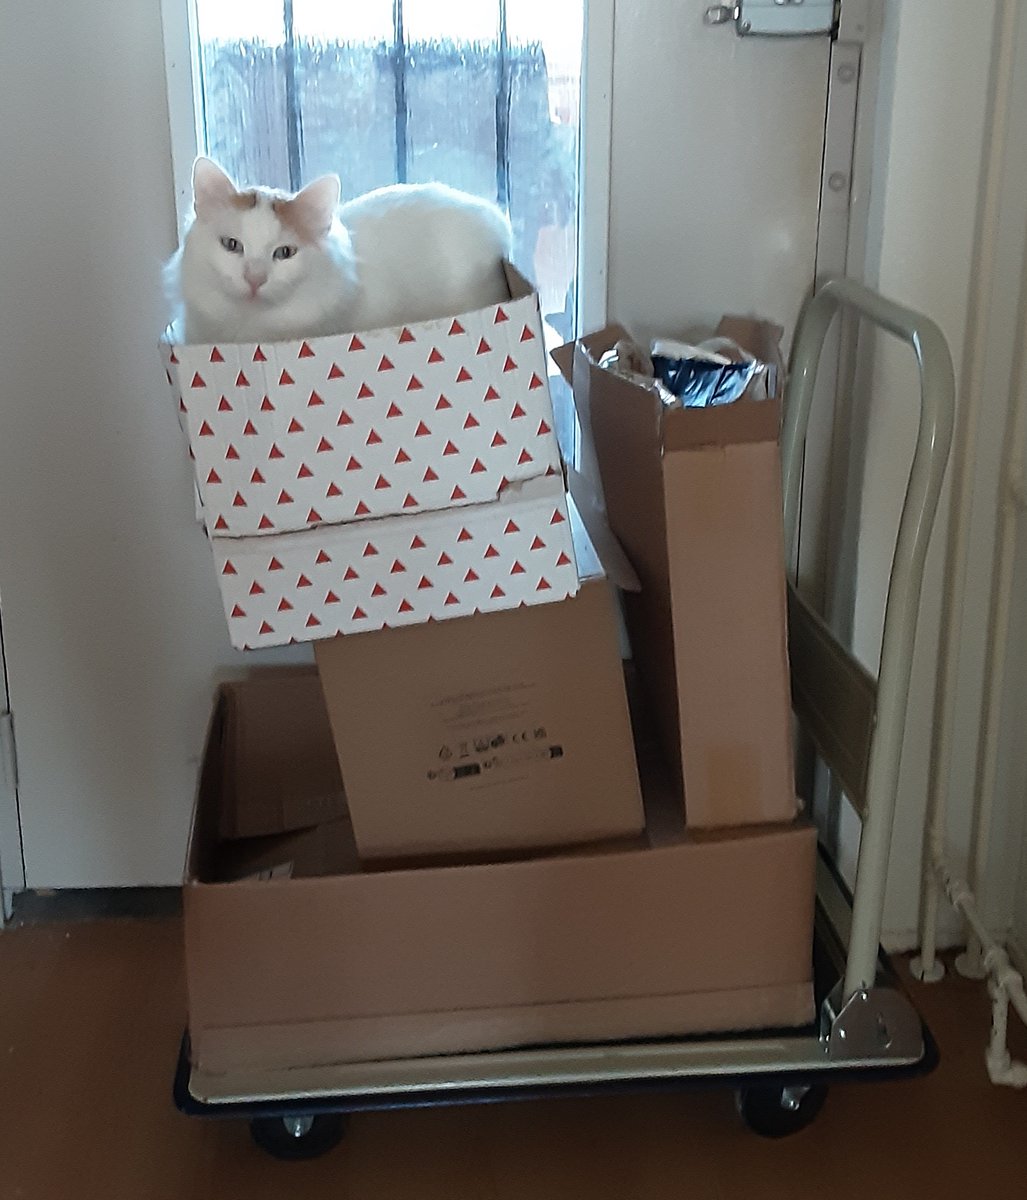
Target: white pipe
(964,459)
(1005,984)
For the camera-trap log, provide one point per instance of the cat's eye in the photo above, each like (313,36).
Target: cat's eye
(232,245)
(284,252)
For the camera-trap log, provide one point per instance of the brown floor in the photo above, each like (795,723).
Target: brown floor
(90,1016)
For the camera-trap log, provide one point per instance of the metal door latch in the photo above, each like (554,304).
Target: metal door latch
(776,18)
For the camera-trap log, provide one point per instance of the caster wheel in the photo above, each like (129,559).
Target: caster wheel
(776,1112)
(296,1138)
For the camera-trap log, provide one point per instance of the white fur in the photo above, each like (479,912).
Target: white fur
(424,251)
(394,256)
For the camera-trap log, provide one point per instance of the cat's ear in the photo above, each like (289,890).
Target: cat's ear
(212,188)
(313,208)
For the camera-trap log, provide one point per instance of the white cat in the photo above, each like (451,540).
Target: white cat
(259,265)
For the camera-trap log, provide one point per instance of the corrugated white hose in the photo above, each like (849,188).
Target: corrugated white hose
(1005,985)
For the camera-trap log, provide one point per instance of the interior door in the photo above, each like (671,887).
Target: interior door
(704,147)
(717,148)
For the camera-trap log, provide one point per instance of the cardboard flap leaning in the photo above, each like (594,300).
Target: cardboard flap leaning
(694,495)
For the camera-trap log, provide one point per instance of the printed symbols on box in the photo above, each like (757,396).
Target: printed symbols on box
(490,754)
(446,412)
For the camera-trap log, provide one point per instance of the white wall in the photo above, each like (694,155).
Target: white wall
(112,622)
(925,251)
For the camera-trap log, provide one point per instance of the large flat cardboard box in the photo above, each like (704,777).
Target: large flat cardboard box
(506,731)
(379,478)
(694,496)
(297,955)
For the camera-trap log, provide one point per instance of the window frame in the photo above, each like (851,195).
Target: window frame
(185,119)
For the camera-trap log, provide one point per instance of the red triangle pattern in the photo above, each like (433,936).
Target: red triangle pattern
(506,580)
(222,426)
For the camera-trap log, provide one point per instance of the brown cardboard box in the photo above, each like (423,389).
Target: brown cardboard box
(495,732)
(694,496)
(689,933)
(274,799)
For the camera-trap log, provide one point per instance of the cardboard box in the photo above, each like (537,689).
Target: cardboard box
(439,414)
(506,731)
(353,578)
(327,962)
(260,792)
(311,456)
(694,495)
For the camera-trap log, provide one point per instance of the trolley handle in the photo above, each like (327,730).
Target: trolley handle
(927,470)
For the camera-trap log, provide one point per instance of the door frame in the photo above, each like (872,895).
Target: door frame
(12,855)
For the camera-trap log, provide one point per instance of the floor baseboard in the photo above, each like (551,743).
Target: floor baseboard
(36,907)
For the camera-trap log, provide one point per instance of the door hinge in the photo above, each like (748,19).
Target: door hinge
(778,18)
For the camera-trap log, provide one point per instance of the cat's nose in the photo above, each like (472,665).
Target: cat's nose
(255,277)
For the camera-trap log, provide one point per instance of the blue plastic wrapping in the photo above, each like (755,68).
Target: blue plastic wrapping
(702,376)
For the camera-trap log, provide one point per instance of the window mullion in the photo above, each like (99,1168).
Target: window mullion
(503,93)
(399,68)
(293,117)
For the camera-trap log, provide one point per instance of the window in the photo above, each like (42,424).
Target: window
(486,95)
